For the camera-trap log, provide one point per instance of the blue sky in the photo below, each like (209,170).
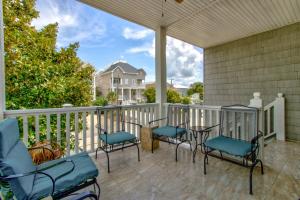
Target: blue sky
(105,39)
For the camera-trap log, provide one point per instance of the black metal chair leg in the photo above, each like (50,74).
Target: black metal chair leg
(108,168)
(250,177)
(97,152)
(137,146)
(152,144)
(99,190)
(261,166)
(205,158)
(190,145)
(176,152)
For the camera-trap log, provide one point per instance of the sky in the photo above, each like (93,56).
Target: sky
(105,39)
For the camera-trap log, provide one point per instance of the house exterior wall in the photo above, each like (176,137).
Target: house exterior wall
(103,83)
(268,63)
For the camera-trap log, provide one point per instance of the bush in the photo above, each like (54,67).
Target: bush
(185,100)
(100,101)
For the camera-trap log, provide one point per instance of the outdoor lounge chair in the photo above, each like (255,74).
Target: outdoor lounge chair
(246,147)
(176,130)
(56,178)
(115,141)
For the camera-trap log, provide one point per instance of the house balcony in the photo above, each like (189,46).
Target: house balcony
(130,86)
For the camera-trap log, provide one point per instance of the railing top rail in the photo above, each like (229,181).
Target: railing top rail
(267,107)
(71,109)
(204,107)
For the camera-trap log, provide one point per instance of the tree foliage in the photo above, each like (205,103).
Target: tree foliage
(112,97)
(172,96)
(149,93)
(196,87)
(38,75)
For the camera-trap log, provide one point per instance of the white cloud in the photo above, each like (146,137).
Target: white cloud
(75,25)
(184,61)
(129,33)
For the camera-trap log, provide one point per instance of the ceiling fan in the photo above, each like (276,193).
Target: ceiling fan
(179,1)
(165,1)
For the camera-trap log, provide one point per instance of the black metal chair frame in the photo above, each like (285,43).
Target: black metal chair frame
(59,194)
(178,138)
(251,156)
(107,148)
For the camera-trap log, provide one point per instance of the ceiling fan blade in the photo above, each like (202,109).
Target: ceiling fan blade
(179,1)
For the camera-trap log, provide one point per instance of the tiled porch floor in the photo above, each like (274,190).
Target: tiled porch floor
(158,176)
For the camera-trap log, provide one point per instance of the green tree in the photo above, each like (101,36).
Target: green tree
(112,97)
(173,96)
(196,87)
(149,93)
(185,100)
(100,101)
(38,75)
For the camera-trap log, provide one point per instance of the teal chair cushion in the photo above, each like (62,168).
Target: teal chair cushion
(118,137)
(16,159)
(169,131)
(229,145)
(9,135)
(85,169)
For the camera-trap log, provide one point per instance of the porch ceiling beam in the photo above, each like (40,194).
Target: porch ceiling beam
(2,64)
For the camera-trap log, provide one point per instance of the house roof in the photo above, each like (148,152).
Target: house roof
(127,68)
(205,23)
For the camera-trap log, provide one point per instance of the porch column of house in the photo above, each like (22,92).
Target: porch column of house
(2,65)
(160,69)
(122,93)
(129,94)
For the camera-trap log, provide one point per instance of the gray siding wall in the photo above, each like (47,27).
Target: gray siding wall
(268,63)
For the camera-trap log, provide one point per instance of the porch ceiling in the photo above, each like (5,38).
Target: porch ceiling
(205,23)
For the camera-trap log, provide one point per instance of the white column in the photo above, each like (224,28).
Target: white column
(2,65)
(279,117)
(129,94)
(122,94)
(161,69)
(258,103)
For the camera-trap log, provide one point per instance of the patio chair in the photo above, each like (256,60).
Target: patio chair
(174,131)
(245,147)
(115,141)
(56,178)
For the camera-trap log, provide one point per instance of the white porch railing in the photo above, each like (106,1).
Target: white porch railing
(274,118)
(77,124)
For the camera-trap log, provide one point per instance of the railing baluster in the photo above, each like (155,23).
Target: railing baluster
(84,130)
(58,128)
(92,115)
(25,130)
(68,141)
(37,128)
(105,120)
(48,127)
(118,119)
(76,133)
(128,120)
(112,120)
(193,117)
(210,118)
(133,120)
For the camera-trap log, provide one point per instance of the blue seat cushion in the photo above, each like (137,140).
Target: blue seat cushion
(9,135)
(229,145)
(117,137)
(169,131)
(84,170)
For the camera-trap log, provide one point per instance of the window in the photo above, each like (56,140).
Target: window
(126,81)
(133,82)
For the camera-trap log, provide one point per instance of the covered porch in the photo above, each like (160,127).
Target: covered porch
(206,24)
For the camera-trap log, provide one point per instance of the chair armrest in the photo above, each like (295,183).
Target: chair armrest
(150,122)
(84,195)
(184,123)
(133,123)
(14,176)
(255,139)
(211,127)
(101,129)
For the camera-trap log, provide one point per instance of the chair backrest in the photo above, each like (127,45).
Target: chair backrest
(178,114)
(239,122)
(15,159)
